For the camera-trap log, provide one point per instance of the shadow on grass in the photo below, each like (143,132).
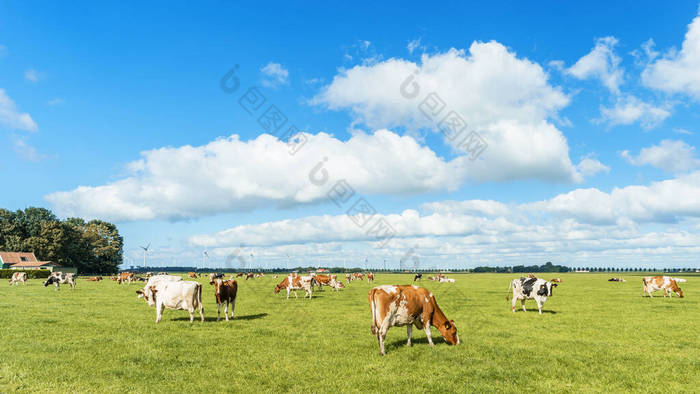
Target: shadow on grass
(213,318)
(536,311)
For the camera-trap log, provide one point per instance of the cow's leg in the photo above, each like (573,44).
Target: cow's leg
(218,311)
(233,306)
(201,312)
(191,311)
(539,305)
(523,304)
(159,312)
(427,333)
(409,332)
(381,336)
(515,300)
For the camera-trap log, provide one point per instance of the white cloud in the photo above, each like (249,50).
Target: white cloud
(679,130)
(274,74)
(670,156)
(55,101)
(24,150)
(413,45)
(629,109)
(678,71)
(11,118)
(506,99)
(602,63)
(589,166)
(232,175)
(32,75)
(648,55)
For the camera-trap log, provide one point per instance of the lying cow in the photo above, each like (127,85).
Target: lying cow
(18,277)
(408,306)
(556,280)
(59,278)
(667,284)
(225,293)
(94,279)
(530,288)
(177,295)
(446,280)
(192,275)
(296,282)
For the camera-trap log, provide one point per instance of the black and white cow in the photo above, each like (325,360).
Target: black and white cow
(57,278)
(418,277)
(530,288)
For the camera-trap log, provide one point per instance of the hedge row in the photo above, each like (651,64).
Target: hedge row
(31,274)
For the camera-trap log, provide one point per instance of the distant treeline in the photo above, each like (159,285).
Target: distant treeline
(93,246)
(547,267)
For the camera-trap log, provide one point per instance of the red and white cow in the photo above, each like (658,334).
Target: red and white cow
(370,277)
(408,306)
(667,284)
(125,277)
(225,293)
(18,277)
(192,275)
(295,282)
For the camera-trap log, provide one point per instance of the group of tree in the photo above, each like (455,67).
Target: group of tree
(547,267)
(92,247)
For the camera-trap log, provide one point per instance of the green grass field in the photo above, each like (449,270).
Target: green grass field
(595,336)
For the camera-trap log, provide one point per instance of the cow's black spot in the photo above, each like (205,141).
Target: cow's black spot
(527,284)
(542,291)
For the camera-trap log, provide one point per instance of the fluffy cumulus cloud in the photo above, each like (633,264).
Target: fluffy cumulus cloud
(506,99)
(601,63)
(11,117)
(678,71)
(274,74)
(582,226)
(629,109)
(229,175)
(669,155)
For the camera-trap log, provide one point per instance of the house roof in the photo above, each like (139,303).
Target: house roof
(36,264)
(16,257)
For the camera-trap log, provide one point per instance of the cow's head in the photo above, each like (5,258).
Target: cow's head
(546,289)
(449,332)
(148,293)
(277,289)
(679,292)
(50,280)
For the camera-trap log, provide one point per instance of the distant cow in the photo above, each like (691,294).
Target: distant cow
(296,282)
(348,278)
(418,277)
(18,277)
(215,275)
(555,280)
(114,278)
(370,277)
(175,295)
(408,306)
(358,275)
(125,277)
(238,275)
(225,293)
(322,280)
(192,275)
(149,274)
(669,286)
(530,288)
(616,280)
(57,278)
(94,279)
(250,275)
(446,280)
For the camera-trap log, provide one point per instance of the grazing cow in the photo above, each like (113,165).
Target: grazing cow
(162,273)
(225,293)
(296,282)
(192,275)
(149,274)
(94,279)
(530,288)
(336,285)
(370,277)
(555,280)
(18,277)
(348,278)
(248,276)
(238,275)
(418,277)
(57,278)
(616,280)
(322,280)
(175,295)
(114,278)
(667,284)
(446,280)
(125,277)
(408,306)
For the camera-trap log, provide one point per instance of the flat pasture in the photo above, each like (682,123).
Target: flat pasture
(594,336)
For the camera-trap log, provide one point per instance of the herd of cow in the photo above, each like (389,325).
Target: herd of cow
(391,305)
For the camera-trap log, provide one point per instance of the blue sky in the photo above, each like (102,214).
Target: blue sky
(116,111)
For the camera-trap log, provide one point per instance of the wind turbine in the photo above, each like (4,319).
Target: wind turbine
(145,252)
(205,255)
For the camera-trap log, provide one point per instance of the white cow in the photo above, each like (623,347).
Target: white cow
(446,280)
(60,278)
(146,292)
(18,277)
(175,295)
(530,288)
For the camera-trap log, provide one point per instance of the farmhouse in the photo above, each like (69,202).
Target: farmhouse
(25,261)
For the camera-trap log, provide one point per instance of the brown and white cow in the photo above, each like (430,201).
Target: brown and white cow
(94,279)
(667,284)
(225,293)
(18,277)
(348,278)
(400,305)
(215,275)
(556,280)
(295,282)
(370,277)
(323,280)
(125,277)
(249,276)
(175,295)
(192,275)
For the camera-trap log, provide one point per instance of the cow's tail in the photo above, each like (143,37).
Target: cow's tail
(199,296)
(510,285)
